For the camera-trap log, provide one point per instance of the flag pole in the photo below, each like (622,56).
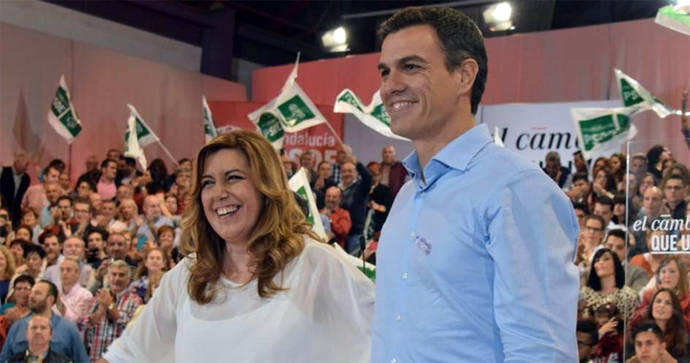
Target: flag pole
(335,133)
(166,150)
(69,160)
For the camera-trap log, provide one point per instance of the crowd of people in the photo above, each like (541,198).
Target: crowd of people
(634,291)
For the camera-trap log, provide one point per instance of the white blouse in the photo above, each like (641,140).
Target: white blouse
(324,316)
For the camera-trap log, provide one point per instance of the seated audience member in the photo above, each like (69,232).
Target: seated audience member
(610,331)
(108,213)
(675,192)
(39,334)
(617,166)
(110,311)
(36,196)
(581,189)
(338,217)
(116,248)
(322,182)
(180,189)
(638,164)
(53,250)
(95,253)
(603,207)
(587,339)
(30,219)
(96,202)
(166,242)
(17,305)
(652,209)
(589,241)
(129,213)
(34,256)
(17,248)
(649,345)
(83,212)
(74,299)
(649,261)
(606,284)
(73,248)
(153,219)
(106,186)
(646,181)
(622,215)
(126,171)
(53,192)
(124,191)
(665,311)
(603,184)
(6,233)
(635,277)
(66,339)
(355,198)
(554,169)
(393,173)
(154,263)
(83,189)
(6,272)
(158,177)
(671,274)
(656,156)
(24,233)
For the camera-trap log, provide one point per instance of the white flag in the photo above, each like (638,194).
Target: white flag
(145,135)
(603,129)
(373,115)
(62,116)
(292,110)
(300,185)
(132,147)
(210,130)
(634,95)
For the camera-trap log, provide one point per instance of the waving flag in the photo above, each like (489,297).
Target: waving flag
(373,115)
(62,116)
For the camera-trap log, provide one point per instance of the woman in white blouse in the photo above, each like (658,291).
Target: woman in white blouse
(258,287)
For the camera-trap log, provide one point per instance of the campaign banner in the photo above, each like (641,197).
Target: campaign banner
(534,129)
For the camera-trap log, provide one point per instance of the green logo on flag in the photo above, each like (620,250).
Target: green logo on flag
(142,131)
(302,191)
(349,97)
(60,102)
(602,129)
(270,127)
(629,94)
(71,123)
(295,111)
(380,113)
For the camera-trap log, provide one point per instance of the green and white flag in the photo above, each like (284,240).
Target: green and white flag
(145,135)
(300,185)
(634,95)
(293,111)
(497,137)
(62,116)
(675,17)
(132,147)
(603,128)
(210,130)
(373,115)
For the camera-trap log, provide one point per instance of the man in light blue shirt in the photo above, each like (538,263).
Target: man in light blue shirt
(475,262)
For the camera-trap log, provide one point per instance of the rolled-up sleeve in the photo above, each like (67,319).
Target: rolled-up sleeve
(533,239)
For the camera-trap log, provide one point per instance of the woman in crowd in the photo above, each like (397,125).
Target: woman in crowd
(129,213)
(605,284)
(24,232)
(259,287)
(648,261)
(155,262)
(17,305)
(604,184)
(84,188)
(6,272)
(17,248)
(159,175)
(380,200)
(33,255)
(656,156)
(166,242)
(665,311)
(617,166)
(671,275)
(30,219)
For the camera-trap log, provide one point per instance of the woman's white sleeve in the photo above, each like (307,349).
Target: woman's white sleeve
(151,337)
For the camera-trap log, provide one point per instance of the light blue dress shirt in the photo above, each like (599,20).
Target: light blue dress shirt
(475,262)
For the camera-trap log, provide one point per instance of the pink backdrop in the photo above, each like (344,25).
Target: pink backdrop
(101,83)
(556,66)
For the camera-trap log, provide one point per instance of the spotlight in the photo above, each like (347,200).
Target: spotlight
(497,16)
(335,40)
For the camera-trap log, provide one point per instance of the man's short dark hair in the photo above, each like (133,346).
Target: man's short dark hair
(580,176)
(105,162)
(648,326)
(52,289)
(459,36)
(588,327)
(24,278)
(605,201)
(64,197)
(616,232)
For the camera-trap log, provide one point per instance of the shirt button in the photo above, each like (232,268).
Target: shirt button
(394,360)
(398,317)
(405,276)
(413,235)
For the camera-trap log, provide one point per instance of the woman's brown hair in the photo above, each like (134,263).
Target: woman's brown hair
(277,236)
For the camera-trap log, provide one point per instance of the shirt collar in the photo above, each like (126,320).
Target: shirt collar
(456,155)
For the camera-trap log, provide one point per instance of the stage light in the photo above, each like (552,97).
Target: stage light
(335,40)
(497,16)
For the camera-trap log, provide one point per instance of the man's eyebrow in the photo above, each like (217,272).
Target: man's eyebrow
(403,60)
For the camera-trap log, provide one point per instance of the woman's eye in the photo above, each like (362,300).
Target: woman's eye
(205,183)
(234,177)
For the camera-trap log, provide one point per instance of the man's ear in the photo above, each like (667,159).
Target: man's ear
(465,74)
